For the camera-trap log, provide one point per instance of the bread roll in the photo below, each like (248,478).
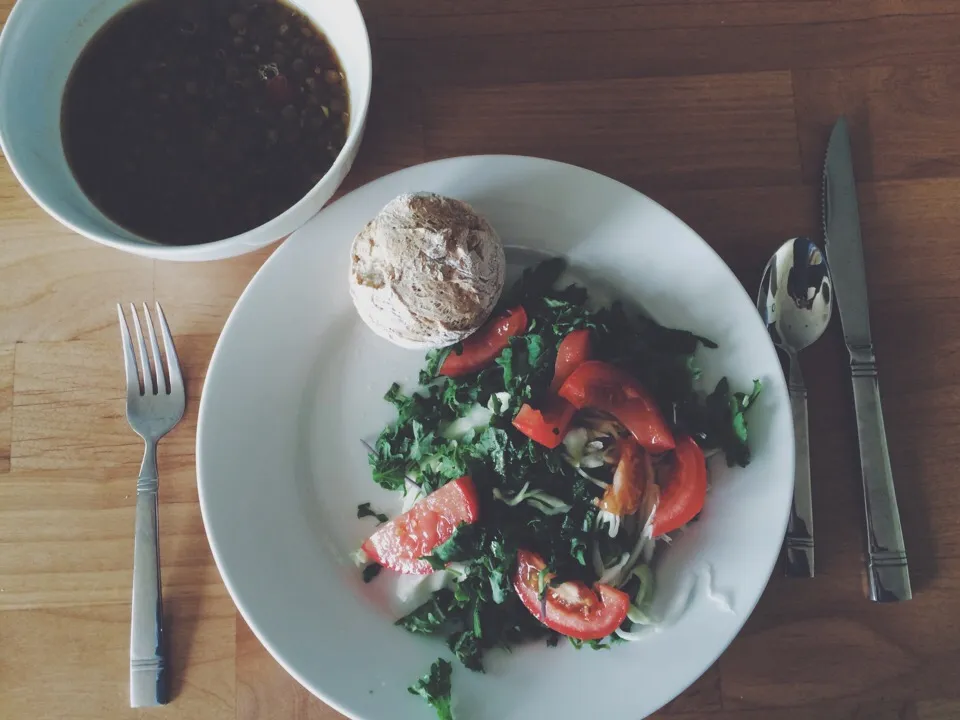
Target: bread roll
(427,271)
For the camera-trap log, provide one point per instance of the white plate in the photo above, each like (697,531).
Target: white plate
(297,380)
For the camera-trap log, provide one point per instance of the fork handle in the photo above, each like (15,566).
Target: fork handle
(148,686)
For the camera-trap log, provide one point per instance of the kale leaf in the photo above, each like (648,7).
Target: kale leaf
(725,424)
(430,617)
(534,283)
(435,360)
(371,571)
(434,687)
(466,646)
(462,545)
(364,510)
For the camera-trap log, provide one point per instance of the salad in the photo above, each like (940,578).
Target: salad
(540,463)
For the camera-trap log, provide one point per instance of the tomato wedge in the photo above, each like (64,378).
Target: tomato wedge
(572,608)
(402,542)
(630,480)
(574,350)
(483,347)
(609,389)
(549,424)
(685,490)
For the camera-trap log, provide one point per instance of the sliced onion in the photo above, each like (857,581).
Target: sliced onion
(538,499)
(645,537)
(633,636)
(613,571)
(639,617)
(591,462)
(360,558)
(546,508)
(476,418)
(574,443)
(610,520)
(516,499)
(599,483)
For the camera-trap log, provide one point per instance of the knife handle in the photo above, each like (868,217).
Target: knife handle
(799,539)
(887,572)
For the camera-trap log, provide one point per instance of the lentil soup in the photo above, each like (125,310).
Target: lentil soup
(189,121)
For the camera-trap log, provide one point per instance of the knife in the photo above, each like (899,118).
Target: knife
(887,573)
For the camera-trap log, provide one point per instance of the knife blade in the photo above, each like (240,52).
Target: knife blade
(887,572)
(841,223)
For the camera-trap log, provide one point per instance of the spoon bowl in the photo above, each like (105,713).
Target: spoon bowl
(796,295)
(796,302)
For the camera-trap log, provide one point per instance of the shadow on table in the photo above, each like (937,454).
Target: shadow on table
(185,574)
(918,533)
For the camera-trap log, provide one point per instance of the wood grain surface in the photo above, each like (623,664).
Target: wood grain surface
(720,110)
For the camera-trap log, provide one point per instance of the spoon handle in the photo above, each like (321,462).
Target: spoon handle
(799,539)
(888,575)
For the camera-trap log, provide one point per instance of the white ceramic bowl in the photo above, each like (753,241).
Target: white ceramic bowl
(38,47)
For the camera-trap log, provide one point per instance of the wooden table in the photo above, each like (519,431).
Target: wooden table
(719,109)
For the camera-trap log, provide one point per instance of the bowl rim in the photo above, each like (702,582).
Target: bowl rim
(252,239)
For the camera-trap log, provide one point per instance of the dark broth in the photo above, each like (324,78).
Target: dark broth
(188,121)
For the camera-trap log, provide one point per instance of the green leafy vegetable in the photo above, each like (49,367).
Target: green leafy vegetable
(535,283)
(422,442)
(496,566)
(430,617)
(521,360)
(435,360)
(466,646)
(461,545)
(593,644)
(493,444)
(371,571)
(434,687)
(725,424)
(577,529)
(364,510)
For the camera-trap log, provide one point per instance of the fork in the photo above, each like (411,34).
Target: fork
(155,403)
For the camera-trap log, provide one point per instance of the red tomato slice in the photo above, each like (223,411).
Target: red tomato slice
(685,490)
(574,350)
(634,473)
(606,388)
(572,608)
(401,543)
(483,347)
(548,425)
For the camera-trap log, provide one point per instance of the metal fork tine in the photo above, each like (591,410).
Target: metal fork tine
(155,351)
(148,386)
(173,363)
(129,360)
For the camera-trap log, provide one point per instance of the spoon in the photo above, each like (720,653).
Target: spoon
(795,302)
